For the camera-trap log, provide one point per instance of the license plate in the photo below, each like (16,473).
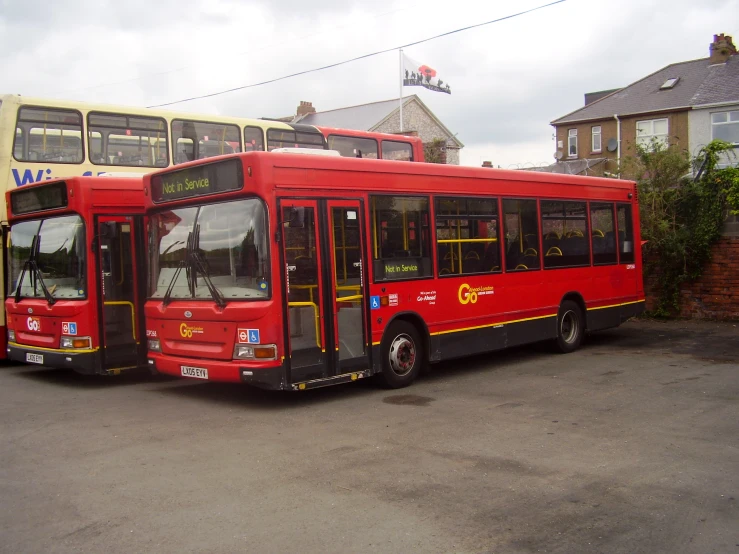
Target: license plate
(196,372)
(34,358)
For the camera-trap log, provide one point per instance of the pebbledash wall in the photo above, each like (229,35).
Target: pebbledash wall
(715,295)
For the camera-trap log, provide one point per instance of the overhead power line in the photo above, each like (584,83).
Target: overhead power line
(357,58)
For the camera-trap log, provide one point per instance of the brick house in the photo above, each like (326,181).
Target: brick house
(384,117)
(686,104)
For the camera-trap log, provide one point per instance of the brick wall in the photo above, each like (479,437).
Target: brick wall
(716,294)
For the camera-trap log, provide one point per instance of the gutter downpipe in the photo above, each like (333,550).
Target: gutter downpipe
(618,144)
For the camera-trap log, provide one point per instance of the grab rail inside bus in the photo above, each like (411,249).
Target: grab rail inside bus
(315,313)
(133,313)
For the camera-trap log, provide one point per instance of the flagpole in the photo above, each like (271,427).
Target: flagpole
(400,96)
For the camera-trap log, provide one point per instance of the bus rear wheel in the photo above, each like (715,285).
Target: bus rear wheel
(402,355)
(570,327)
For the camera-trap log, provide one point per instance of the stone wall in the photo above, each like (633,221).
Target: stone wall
(716,294)
(415,118)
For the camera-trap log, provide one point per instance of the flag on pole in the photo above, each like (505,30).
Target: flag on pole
(421,75)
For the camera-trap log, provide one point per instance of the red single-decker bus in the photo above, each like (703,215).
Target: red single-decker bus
(291,272)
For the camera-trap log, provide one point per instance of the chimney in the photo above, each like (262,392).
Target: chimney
(721,49)
(305,108)
(487,164)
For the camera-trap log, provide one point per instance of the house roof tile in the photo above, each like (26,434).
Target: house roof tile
(699,83)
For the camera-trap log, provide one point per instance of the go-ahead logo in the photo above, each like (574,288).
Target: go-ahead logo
(33,323)
(468,295)
(187,331)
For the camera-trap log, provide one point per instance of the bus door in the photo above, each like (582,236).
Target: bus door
(324,274)
(119,246)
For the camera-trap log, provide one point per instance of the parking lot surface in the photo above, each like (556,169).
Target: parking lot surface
(630,444)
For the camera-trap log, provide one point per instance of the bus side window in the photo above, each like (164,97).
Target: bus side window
(396,150)
(521,232)
(625,234)
(51,135)
(400,237)
(253,139)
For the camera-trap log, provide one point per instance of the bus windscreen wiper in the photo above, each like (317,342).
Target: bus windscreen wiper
(198,265)
(183,264)
(194,264)
(31,266)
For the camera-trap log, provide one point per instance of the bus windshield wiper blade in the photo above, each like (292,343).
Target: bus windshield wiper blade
(168,295)
(31,266)
(199,265)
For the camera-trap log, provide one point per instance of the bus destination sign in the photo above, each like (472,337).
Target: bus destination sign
(198,180)
(37,199)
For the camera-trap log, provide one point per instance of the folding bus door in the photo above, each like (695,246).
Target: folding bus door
(322,244)
(120,245)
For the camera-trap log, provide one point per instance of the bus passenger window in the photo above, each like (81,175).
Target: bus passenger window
(625,234)
(521,235)
(564,228)
(400,237)
(396,150)
(51,135)
(196,140)
(603,237)
(467,236)
(353,147)
(117,139)
(253,139)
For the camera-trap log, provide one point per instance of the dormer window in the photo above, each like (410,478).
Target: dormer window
(669,83)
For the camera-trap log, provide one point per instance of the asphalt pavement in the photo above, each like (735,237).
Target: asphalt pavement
(630,444)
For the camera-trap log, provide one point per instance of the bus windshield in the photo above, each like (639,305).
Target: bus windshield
(47,258)
(213,251)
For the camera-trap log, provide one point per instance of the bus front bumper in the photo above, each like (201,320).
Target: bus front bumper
(86,363)
(264,377)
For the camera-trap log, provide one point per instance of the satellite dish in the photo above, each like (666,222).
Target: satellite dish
(612,145)
(558,155)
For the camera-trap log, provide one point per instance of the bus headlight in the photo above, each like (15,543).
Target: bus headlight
(11,335)
(75,342)
(255,352)
(154,345)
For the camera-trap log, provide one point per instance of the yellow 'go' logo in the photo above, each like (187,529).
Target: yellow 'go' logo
(185,331)
(465,296)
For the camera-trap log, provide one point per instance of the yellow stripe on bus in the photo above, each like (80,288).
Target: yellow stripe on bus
(59,350)
(500,323)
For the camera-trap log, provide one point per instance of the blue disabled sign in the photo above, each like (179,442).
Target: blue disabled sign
(253,336)
(374,302)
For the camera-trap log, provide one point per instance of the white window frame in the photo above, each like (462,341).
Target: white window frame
(732,118)
(596,132)
(571,134)
(647,125)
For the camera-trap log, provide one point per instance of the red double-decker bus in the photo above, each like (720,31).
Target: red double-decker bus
(74,291)
(292,272)
(373,146)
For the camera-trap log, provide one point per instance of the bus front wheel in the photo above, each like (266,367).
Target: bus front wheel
(570,327)
(402,355)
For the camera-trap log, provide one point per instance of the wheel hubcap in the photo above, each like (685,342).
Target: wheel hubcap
(569,327)
(402,355)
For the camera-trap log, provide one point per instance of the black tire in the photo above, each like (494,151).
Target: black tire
(570,327)
(402,355)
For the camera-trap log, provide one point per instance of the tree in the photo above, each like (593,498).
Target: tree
(434,151)
(681,215)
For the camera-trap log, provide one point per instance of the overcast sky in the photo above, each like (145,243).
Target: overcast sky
(508,79)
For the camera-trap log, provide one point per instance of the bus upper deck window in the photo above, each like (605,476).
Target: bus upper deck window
(46,135)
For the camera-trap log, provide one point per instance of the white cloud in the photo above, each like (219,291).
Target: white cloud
(509,79)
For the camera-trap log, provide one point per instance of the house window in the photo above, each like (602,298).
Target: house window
(725,126)
(652,131)
(596,138)
(572,143)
